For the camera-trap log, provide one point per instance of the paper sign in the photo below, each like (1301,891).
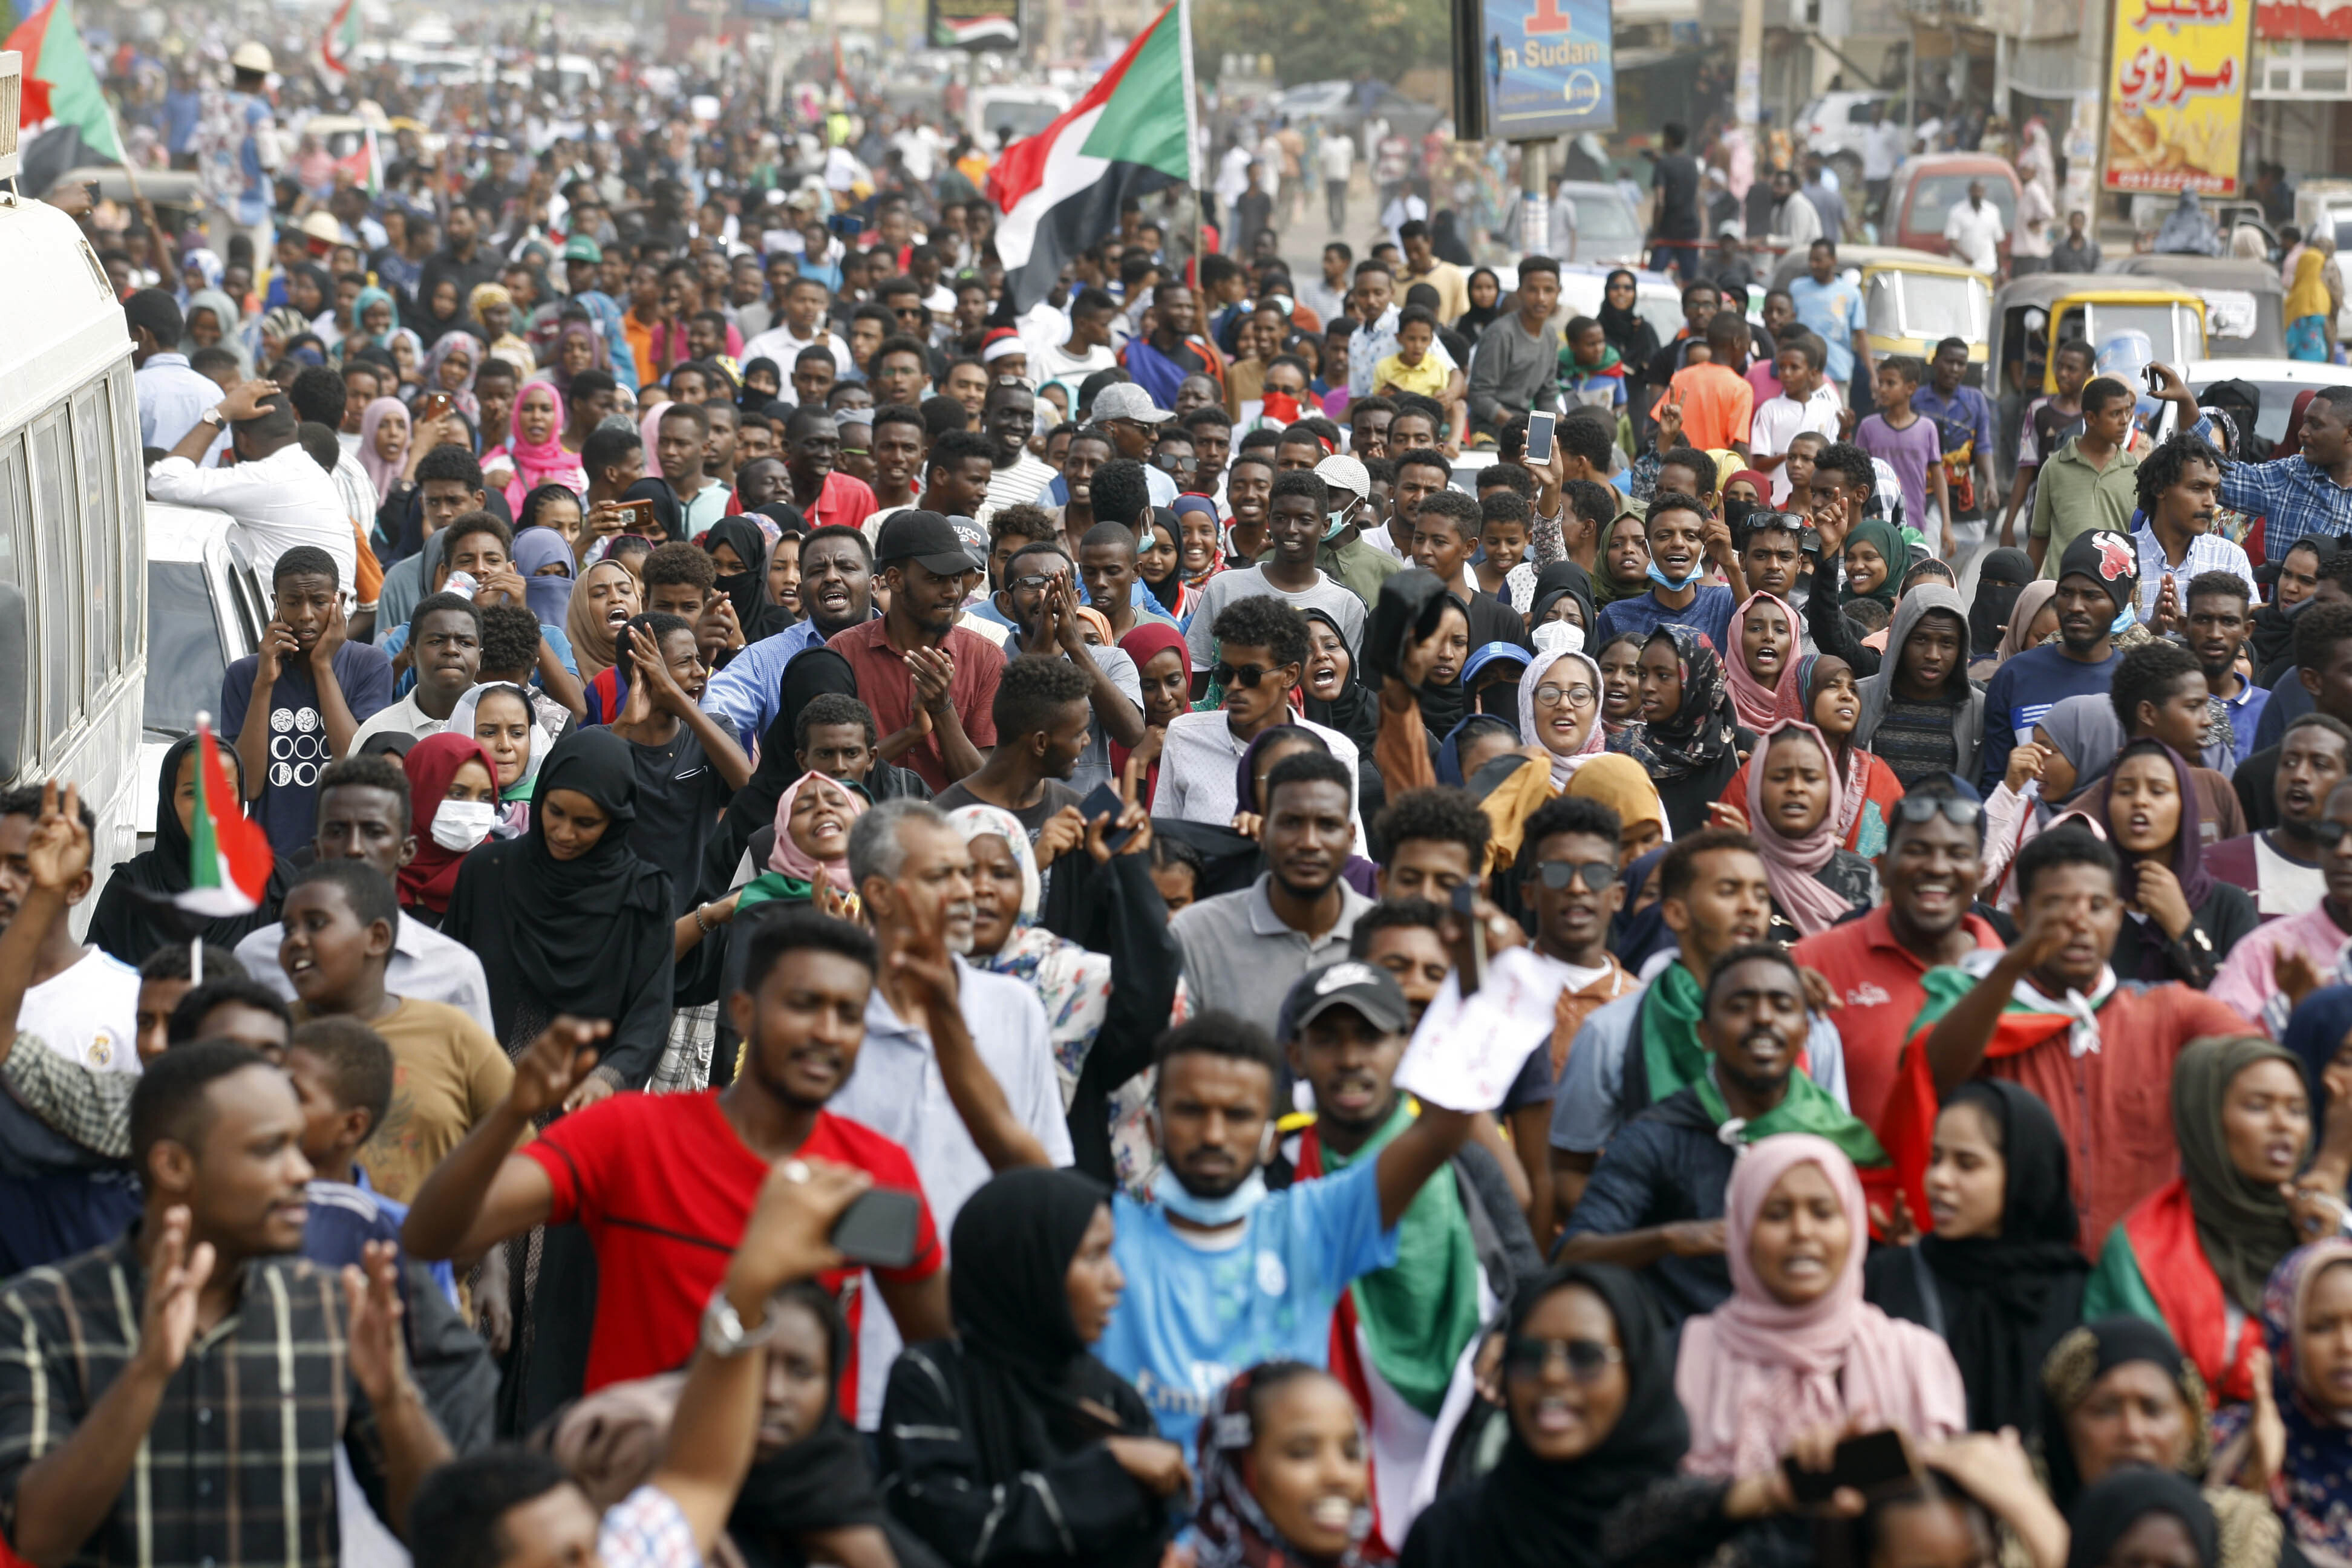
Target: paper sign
(1466,1055)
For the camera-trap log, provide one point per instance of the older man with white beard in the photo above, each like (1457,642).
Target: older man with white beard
(913,872)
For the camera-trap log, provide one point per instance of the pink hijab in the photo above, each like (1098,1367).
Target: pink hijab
(1756,1372)
(1760,705)
(792,860)
(649,427)
(537,464)
(381,471)
(1790,863)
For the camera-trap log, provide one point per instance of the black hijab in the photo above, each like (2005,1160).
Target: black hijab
(135,914)
(2108,1509)
(1624,327)
(579,936)
(753,401)
(1026,1372)
(747,590)
(1528,1513)
(1474,320)
(1564,580)
(2086,1354)
(1355,713)
(1411,604)
(2001,578)
(2002,1302)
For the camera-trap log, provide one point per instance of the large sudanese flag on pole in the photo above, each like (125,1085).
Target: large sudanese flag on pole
(59,83)
(1060,190)
(340,45)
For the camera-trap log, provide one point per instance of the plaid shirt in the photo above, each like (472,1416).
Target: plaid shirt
(646,1530)
(2295,498)
(239,1467)
(92,1108)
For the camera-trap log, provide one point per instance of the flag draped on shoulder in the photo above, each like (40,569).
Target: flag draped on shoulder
(1060,190)
(59,83)
(229,859)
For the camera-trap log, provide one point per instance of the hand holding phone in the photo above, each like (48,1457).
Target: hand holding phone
(879,1228)
(1867,1462)
(1103,800)
(1539,429)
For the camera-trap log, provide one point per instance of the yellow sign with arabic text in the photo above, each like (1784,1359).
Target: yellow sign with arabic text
(2176,95)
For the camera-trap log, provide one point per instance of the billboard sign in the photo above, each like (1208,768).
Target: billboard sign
(1547,67)
(2177,78)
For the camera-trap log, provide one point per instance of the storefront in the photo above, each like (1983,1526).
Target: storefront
(2302,71)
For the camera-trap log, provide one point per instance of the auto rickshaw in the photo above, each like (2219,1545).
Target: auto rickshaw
(2033,314)
(1912,301)
(2245,305)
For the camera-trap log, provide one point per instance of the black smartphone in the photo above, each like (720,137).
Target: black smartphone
(1101,800)
(1465,905)
(849,225)
(879,1228)
(1867,1463)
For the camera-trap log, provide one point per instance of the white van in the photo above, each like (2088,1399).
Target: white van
(206,608)
(73,587)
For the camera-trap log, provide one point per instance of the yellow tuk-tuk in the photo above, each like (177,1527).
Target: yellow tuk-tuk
(1912,301)
(2033,314)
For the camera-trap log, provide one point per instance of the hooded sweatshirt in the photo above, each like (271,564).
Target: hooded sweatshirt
(1964,698)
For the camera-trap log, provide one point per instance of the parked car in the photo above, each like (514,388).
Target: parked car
(2277,381)
(2244,303)
(206,608)
(1608,229)
(1833,124)
(1924,190)
(1337,106)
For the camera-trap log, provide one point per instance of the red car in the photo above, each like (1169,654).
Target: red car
(1925,188)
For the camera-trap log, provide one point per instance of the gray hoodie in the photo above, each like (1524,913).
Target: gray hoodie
(1877,691)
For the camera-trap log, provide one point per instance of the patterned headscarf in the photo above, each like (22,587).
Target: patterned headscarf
(1235,1530)
(1702,730)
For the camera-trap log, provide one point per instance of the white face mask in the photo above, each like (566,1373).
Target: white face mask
(459,825)
(1559,636)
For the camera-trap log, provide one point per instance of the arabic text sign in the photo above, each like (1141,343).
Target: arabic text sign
(1465,1055)
(2302,19)
(2176,95)
(1549,68)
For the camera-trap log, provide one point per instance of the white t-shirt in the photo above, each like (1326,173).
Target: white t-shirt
(88,1012)
(1976,233)
(1780,420)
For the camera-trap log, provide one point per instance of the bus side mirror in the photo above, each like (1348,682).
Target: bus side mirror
(16,695)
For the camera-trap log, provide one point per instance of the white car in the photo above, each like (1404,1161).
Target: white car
(1833,125)
(206,608)
(2277,380)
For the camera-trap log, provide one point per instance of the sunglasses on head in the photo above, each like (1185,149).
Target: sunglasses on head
(1918,809)
(1246,676)
(1560,875)
(1586,1359)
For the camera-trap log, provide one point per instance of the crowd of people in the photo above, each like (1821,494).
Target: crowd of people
(859,862)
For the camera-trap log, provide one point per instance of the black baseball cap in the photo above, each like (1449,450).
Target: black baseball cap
(1367,988)
(926,539)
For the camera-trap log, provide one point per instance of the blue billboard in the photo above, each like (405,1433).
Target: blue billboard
(1547,68)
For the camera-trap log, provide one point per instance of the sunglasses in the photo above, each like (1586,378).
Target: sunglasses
(1035,583)
(1917,810)
(1586,1359)
(1246,675)
(2327,831)
(1560,875)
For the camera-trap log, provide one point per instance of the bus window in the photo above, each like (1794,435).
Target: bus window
(16,566)
(57,644)
(93,435)
(131,540)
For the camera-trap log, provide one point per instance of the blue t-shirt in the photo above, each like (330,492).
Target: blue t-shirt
(288,806)
(1831,312)
(1641,614)
(2023,690)
(1192,1318)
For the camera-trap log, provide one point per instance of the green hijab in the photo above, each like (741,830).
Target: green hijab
(1608,588)
(1891,548)
(2244,1225)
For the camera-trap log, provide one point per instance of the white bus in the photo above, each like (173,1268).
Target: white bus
(73,549)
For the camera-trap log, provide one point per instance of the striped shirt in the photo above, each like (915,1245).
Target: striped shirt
(238,1465)
(2207,553)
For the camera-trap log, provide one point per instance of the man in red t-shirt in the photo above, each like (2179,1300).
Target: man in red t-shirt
(664,1184)
(932,684)
(1932,864)
(826,496)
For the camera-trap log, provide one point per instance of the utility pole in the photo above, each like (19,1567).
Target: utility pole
(1535,200)
(1747,88)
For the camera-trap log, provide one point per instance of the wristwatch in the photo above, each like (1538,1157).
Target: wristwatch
(213,417)
(723,1333)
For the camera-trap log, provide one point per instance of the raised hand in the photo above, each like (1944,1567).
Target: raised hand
(58,853)
(1132,818)
(175,1279)
(789,1234)
(555,1064)
(280,647)
(1063,831)
(921,956)
(338,632)
(371,1292)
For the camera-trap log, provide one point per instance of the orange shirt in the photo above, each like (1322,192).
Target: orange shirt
(1717,402)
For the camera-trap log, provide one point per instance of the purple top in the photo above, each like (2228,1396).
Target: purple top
(1908,451)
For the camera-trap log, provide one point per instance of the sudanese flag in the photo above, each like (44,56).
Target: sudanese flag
(1060,190)
(228,855)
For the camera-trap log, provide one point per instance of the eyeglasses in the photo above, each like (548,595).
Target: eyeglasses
(1586,1359)
(1548,695)
(1920,809)
(1246,676)
(1035,583)
(1560,875)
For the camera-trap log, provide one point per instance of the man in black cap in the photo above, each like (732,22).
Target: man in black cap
(2098,584)
(171,396)
(930,683)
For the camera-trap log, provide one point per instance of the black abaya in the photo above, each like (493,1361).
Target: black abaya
(134,914)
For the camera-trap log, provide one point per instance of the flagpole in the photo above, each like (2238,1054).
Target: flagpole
(1191,134)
